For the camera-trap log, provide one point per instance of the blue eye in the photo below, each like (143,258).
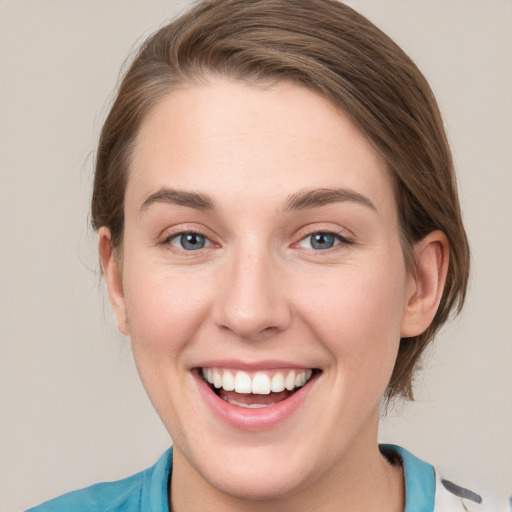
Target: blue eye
(189,241)
(321,241)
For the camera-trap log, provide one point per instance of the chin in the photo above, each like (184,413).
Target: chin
(266,484)
(255,473)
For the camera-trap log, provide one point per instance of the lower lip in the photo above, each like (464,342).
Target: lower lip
(242,418)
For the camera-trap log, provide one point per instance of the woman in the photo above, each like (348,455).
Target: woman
(281,238)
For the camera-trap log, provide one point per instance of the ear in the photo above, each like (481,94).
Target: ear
(113,278)
(426,285)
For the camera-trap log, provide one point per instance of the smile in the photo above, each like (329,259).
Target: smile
(255,390)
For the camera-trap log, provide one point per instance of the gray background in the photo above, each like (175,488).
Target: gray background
(72,411)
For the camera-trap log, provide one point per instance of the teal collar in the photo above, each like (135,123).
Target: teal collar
(420,481)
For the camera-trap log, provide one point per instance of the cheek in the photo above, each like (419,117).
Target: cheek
(358,315)
(164,309)
(165,312)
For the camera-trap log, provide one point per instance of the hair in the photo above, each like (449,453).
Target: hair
(328,47)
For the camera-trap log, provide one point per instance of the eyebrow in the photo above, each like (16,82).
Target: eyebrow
(302,200)
(180,198)
(306,199)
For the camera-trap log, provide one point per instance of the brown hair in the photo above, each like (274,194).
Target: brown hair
(330,48)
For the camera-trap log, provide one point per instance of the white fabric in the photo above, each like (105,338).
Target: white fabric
(457,493)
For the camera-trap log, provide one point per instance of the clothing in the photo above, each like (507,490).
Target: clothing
(144,492)
(147,491)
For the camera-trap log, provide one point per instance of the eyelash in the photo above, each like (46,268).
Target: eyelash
(168,241)
(338,237)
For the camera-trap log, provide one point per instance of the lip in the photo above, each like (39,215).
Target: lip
(248,366)
(247,419)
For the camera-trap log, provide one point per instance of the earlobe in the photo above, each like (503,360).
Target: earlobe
(427,282)
(113,278)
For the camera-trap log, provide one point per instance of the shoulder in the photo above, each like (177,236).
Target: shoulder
(107,496)
(433,489)
(146,490)
(457,491)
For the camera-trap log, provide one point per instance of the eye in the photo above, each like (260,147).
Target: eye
(189,241)
(321,241)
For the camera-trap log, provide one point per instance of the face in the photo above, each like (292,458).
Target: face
(263,284)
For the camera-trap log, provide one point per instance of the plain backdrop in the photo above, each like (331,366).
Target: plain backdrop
(72,411)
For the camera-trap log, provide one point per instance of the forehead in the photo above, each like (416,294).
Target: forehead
(256,141)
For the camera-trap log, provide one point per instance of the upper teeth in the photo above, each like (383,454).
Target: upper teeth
(260,383)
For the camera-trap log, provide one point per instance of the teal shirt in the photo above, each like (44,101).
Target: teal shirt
(148,490)
(420,481)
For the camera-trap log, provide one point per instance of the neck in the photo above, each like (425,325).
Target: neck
(364,480)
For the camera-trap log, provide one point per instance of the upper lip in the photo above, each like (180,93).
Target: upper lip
(252,366)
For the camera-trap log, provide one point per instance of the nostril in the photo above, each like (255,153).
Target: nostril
(250,304)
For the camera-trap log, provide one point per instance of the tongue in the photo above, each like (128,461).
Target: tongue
(251,399)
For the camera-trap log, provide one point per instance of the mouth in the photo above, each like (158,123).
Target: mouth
(258,389)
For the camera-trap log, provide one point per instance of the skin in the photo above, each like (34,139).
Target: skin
(259,291)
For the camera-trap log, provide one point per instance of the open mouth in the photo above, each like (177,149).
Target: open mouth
(254,390)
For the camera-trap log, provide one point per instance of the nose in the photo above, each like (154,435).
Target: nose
(252,300)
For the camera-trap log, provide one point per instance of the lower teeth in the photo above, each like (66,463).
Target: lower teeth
(247,406)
